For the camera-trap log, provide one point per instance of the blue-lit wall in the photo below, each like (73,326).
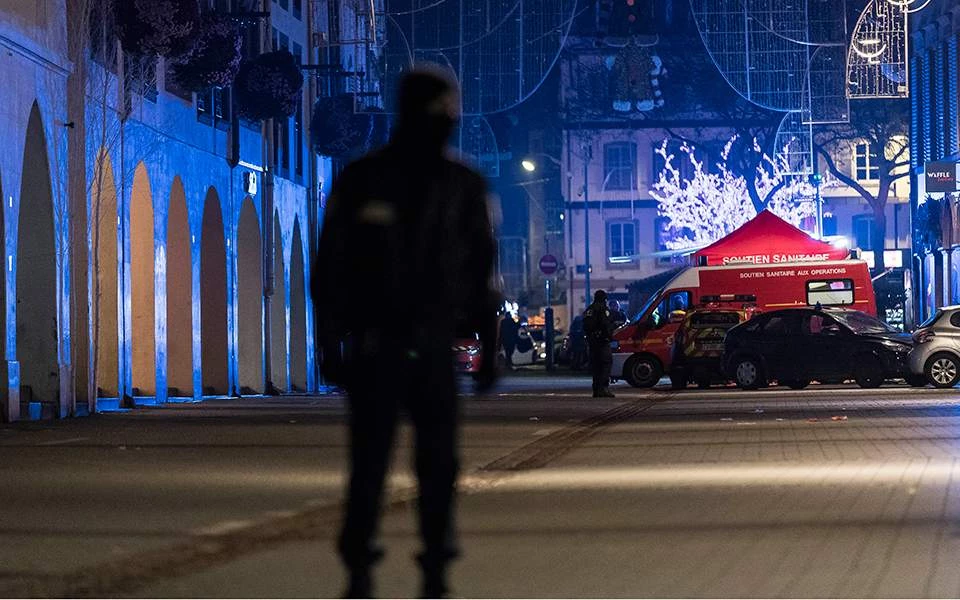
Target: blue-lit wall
(162,145)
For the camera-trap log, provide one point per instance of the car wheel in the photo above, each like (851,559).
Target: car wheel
(943,370)
(797,384)
(748,374)
(642,371)
(703,383)
(916,380)
(869,373)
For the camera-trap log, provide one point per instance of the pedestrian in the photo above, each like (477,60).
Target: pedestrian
(599,331)
(509,335)
(409,225)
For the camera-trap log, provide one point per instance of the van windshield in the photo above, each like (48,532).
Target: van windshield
(655,297)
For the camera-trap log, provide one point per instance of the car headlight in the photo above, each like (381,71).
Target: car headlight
(473,350)
(896,346)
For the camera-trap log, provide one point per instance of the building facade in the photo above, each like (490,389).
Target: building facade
(631,93)
(935,93)
(157,244)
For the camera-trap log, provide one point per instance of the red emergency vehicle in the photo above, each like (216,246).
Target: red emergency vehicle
(767,264)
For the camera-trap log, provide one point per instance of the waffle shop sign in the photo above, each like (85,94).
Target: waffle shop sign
(774,259)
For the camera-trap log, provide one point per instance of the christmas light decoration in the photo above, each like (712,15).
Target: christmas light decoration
(714,201)
(877,65)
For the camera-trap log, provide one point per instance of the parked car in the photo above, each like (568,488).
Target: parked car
(797,345)
(698,346)
(936,353)
(466,354)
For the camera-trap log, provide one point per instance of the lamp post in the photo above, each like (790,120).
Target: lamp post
(530,165)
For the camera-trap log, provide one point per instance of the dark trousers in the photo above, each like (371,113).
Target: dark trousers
(601,361)
(425,386)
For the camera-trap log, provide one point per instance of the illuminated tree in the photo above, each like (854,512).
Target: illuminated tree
(714,200)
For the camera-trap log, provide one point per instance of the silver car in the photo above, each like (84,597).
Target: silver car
(936,353)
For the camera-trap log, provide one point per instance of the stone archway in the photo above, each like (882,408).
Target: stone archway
(278,313)
(37,337)
(213,299)
(103,210)
(250,300)
(142,291)
(179,296)
(298,315)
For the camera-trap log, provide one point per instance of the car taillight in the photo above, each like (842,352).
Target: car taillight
(923,336)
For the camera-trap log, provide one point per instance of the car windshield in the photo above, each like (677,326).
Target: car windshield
(862,323)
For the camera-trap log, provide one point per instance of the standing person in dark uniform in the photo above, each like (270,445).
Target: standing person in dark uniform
(599,329)
(409,226)
(509,331)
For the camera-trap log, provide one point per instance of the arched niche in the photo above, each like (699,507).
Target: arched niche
(142,291)
(37,326)
(104,229)
(298,315)
(250,300)
(179,296)
(213,299)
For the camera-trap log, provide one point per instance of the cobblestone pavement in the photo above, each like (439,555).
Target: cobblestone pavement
(825,492)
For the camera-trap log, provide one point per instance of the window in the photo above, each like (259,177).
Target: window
(831,292)
(955,319)
(621,241)
(865,166)
(777,325)
(619,166)
(297,8)
(829,224)
(675,301)
(819,324)
(863,232)
(172,87)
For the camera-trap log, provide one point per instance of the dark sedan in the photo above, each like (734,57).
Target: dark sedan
(795,346)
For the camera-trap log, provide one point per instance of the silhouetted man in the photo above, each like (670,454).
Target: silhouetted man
(599,330)
(405,260)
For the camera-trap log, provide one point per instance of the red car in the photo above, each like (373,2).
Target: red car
(466,354)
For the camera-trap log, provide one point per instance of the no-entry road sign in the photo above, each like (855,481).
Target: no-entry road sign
(548,264)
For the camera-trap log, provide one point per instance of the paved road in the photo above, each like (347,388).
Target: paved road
(836,492)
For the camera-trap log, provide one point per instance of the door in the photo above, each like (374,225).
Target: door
(776,344)
(662,328)
(825,347)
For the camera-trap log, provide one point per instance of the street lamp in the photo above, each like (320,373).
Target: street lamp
(528,165)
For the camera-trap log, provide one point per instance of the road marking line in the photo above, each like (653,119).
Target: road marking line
(61,442)
(905,473)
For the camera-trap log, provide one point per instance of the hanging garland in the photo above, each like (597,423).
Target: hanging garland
(340,132)
(215,57)
(164,27)
(268,87)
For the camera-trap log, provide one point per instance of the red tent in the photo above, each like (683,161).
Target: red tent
(767,239)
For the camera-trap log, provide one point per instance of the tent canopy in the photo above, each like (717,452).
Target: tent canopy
(767,239)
